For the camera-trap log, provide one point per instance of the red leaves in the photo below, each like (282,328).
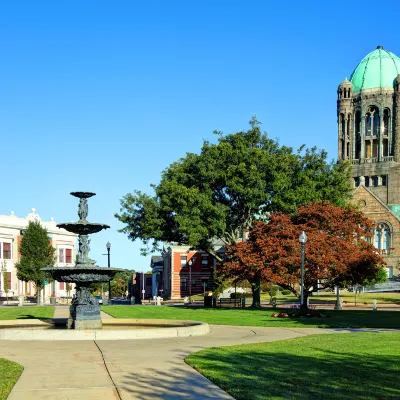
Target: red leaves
(334,248)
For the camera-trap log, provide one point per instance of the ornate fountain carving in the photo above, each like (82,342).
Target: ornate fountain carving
(84,310)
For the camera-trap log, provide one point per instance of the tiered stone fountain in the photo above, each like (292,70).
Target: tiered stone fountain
(85,309)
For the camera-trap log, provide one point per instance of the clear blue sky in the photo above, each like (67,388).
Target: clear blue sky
(103,95)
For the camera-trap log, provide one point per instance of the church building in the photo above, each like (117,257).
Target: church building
(368,115)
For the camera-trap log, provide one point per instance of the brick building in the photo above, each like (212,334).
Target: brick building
(368,116)
(187,272)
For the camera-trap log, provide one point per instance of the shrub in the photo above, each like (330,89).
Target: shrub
(236,295)
(286,292)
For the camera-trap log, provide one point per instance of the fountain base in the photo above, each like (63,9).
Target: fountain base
(84,316)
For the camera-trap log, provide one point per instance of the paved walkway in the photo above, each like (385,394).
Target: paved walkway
(127,369)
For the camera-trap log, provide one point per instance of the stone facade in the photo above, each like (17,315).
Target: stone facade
(369,137)
(11,231)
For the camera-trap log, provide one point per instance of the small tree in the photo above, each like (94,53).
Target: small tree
(36,253)
(5,279)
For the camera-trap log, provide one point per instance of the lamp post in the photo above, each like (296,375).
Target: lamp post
(191,262)
(108,246)
(303,241)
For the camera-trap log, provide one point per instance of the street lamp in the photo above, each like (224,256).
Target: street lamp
(191,262)
(303,241)
(108,246)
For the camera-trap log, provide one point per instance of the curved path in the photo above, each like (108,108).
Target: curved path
(128,369)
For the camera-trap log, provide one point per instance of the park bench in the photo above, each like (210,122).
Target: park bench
(228,300)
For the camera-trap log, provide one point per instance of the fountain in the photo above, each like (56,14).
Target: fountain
(85,309)
(85,321)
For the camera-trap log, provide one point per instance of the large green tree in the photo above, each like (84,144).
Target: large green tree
(216,194)
(36,253)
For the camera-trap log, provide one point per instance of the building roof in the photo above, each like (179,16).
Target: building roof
(376,70)
(12,221)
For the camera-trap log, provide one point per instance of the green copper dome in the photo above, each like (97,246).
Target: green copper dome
(377,70)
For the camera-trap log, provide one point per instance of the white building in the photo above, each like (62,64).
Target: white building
(11,231)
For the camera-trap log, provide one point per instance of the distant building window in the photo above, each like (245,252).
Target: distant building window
(68,256)
(204,261)
(367,181)
(183,284)
(61,258)
(357,181)
(183,261)
(374,181)
(389,272)
(384,180)
(8,279)
(7,251)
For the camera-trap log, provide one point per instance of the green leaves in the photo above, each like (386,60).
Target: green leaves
(36,253)
(216,194)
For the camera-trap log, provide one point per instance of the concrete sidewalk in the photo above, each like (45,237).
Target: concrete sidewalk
(127,369)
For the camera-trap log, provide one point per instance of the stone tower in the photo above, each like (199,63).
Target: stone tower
(368,115)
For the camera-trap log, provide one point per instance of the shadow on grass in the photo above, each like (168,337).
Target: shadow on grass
(261,372)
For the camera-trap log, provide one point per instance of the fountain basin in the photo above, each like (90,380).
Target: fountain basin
(82,273)
(113,329)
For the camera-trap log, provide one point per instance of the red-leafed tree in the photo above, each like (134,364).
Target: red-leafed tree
(337,252)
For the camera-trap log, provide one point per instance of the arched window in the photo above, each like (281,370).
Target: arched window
(386,117)
(368,124)
(357,127)
(348,125)
(376,124)
(342,125)
(382,237)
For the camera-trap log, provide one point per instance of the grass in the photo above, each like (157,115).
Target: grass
(9,374)
(26,312)
(340,366)
(390,298)
(260,317)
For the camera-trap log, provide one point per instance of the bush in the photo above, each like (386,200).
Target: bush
(238,295)
(286,292)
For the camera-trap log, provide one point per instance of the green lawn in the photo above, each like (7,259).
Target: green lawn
(260,317)
(26,312)
(9,374)
(382,298)
(361,366)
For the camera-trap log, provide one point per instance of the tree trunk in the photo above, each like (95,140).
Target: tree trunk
(37,293)
(304,306)
(255,288)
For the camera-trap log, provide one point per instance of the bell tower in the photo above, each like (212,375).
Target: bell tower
(368,117)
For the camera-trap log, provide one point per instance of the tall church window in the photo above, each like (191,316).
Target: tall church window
(375,145)
(342,125)
(376,124)
(368,124)
(357,127)
(386,122)
(385,144)
(382,237)
(367,149)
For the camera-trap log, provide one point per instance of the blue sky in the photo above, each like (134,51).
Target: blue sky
(103,95)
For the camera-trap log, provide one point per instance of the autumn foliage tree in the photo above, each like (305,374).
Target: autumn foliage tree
(338,252)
